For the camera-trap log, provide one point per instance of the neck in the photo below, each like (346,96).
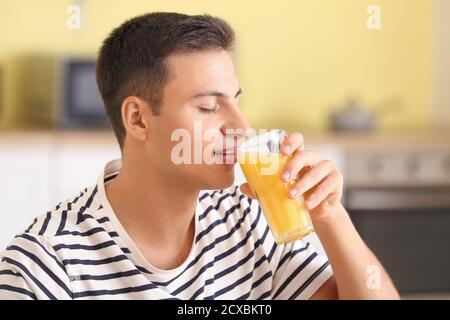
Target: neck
(157,212)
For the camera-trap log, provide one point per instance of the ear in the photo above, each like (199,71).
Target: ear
(135,113)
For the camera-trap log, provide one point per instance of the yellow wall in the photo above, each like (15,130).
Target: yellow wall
(297,60)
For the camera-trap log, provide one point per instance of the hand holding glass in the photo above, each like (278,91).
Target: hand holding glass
(262,163)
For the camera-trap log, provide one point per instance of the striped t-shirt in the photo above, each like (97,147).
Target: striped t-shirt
(79,250)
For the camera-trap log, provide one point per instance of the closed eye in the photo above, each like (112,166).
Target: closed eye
(209,110)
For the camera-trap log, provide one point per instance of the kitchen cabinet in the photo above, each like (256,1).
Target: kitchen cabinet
(24,188)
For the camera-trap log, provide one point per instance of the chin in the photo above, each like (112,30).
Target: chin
(222,181)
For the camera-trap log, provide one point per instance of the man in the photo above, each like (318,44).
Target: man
(148,229)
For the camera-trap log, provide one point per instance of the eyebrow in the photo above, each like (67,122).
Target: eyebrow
(216,94)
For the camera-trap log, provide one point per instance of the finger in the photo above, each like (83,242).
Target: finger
(299,160)
(313,177)
(293,142)
(245,189)
(322,191)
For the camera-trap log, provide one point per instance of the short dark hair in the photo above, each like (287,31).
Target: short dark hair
(131,60)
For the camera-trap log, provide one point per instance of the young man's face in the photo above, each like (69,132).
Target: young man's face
(201,98)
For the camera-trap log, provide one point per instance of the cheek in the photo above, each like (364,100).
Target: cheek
(163,128)
(199,134)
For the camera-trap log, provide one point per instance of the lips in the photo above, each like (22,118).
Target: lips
(227,156)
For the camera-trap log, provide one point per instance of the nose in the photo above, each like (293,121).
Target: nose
(235,126)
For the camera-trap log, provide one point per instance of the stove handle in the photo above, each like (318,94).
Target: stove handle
(373,199)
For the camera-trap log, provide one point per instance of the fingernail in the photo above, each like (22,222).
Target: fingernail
(285,176)
(287,149)
(293,192)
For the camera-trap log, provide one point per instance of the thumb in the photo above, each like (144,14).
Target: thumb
(245,189)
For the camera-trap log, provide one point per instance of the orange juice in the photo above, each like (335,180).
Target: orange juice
(288,219)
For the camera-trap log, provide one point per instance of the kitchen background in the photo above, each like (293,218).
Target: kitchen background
(366,82)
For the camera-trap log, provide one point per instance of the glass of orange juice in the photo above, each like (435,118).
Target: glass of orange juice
(262,163)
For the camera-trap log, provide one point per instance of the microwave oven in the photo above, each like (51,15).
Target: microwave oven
(59,92)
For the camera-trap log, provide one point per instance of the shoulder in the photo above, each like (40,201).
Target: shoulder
(66,215)
(32,262)
(75,217)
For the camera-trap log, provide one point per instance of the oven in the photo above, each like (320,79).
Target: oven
(399,202)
